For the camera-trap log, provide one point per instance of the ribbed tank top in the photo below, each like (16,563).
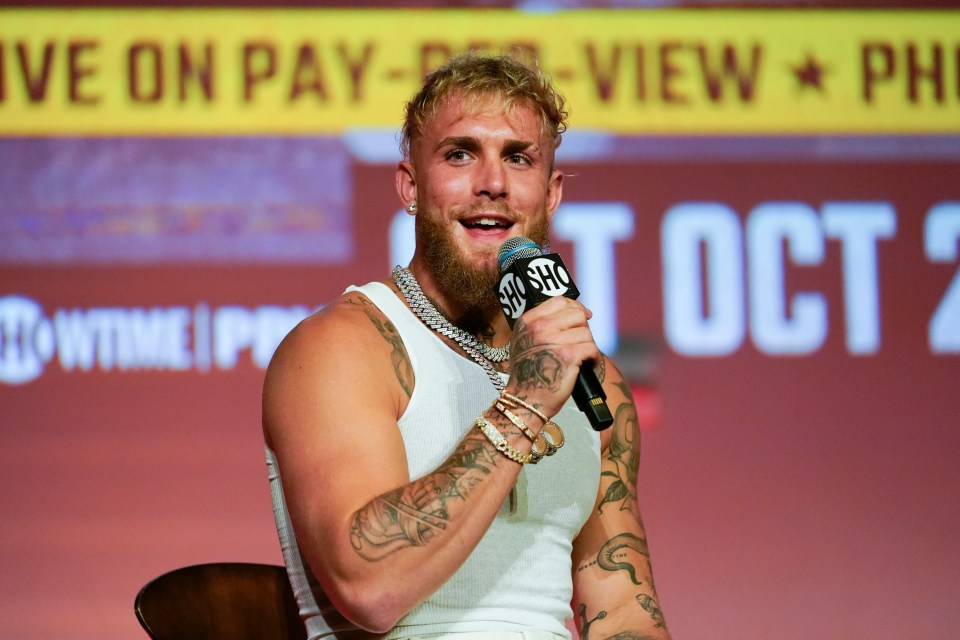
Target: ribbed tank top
(519,576)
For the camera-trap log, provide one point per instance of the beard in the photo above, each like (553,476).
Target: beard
(471,284)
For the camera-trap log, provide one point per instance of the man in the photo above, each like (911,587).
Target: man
(404,419)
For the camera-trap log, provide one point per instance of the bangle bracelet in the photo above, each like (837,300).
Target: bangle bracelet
(551,431)
(536,452)
(515,420)
(500,442)
(514,401)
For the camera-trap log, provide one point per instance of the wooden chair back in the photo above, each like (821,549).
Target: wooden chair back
(229,600)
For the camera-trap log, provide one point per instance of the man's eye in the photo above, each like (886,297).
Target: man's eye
(518,158)
(457,155)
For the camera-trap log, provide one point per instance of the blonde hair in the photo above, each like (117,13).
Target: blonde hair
(479,77)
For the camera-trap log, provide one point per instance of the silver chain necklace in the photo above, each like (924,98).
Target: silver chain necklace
(482,353)
(428,314)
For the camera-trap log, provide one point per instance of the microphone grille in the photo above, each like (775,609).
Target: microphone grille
(515,248)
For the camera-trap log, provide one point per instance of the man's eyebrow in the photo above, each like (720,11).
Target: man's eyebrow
(515,146)
(470,143)
(464,142)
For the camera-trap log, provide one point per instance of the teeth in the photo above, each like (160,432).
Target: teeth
(487,222)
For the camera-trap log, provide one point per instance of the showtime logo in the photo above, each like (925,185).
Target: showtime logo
(135,339)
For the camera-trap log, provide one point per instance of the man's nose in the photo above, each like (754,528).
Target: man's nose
(491,179)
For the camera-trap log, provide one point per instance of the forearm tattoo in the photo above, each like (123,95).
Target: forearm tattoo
(623,462)
(623,635)
(650,605)
(413,515)
(614,555)
(584,627)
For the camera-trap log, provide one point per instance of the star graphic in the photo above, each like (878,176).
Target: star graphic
(810,73)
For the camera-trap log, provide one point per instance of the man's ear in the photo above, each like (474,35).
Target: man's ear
(406,185)
(554,192)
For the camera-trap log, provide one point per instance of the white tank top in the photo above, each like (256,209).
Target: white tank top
(519,576)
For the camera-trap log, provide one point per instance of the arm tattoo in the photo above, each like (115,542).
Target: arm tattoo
(585,624)
(414,514)
(623,635)
(533,365)
(650,606)
(398,357)
(600,368)
(614,554)
(537,368)
(521,340)
(624,456)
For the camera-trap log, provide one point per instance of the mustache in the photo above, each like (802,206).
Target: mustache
(501,208)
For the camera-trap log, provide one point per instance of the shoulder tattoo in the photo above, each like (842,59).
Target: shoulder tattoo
(402,367)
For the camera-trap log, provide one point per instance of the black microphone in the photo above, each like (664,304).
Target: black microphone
(529,277)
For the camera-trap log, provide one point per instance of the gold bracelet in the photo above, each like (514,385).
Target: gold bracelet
(551,431)
(553,435)
(500,442)
(536,452)
(514,401)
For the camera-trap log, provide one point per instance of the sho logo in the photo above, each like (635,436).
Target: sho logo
(177,338)
(513,296)
(549,277)
(26,339)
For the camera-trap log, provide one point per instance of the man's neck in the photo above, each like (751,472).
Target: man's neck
(488,324)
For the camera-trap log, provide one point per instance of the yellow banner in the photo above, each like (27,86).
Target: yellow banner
(313,71)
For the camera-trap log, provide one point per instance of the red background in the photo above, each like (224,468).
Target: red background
(785,497)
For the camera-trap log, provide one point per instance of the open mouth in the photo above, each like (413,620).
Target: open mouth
(487,223)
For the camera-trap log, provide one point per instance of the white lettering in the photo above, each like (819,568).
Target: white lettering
(858,226)
(236,329)
(512,295)
(202,348)
(125,339)
(773,329)
(548,277)
(593,228)
(232,333)
(76,339)
(270,326)
(158,338)
(941,237)
(702,320)
(111,338)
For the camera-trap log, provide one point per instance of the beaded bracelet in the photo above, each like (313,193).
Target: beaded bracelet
(500,442)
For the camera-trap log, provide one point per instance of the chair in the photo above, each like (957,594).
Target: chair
(235,600)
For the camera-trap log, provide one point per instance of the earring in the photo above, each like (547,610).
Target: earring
(412,207)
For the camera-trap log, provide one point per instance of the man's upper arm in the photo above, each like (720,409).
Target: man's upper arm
(331,399)
(614,593)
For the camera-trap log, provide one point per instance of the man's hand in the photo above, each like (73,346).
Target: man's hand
(549,344)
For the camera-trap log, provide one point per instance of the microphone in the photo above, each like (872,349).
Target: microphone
(528,278)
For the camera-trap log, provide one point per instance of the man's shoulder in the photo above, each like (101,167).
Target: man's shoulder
(328,359)
(352,316)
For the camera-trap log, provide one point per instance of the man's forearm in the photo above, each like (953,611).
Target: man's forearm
(415,514)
